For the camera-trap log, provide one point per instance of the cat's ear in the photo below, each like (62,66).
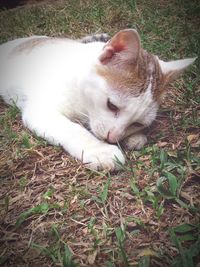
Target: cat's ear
(173,69)
(123,48)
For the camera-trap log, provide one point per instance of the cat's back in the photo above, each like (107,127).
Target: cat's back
(40,59)
(26,55)
(13,54)
(33,45)
(44,50)
(11,48)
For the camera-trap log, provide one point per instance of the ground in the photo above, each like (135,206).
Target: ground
(55,212)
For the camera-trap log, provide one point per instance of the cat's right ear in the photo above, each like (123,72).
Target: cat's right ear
(123,48)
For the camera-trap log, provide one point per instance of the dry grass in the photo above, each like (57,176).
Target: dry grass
(53,211)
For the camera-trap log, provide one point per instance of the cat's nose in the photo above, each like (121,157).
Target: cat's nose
(111,137)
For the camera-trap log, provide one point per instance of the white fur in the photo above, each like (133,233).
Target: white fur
(53,85)
(176,65)
(58,90)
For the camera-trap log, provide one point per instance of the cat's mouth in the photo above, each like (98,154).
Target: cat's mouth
(110,137)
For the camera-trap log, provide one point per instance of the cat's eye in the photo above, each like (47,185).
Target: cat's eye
(112,107)
(137,124)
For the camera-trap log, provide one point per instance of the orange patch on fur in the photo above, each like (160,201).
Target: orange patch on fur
(29,44)
(134,78)
(123,80)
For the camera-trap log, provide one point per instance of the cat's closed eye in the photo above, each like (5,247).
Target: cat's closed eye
(112,107)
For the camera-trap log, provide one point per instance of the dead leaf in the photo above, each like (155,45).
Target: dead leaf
(74,199)
(172,154)
(192,137)
(85,231)
(92,257)
(148,252)
(162,144)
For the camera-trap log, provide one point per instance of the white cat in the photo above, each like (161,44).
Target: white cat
(86,97)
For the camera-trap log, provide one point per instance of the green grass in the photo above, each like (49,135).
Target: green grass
(181,234)
(59,252)
(55,212)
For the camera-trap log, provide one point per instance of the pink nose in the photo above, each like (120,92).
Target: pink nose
(112,137)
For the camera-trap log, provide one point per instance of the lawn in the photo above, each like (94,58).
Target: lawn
(55,212)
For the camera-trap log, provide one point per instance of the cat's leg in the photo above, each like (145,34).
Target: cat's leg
(75,139)
(135,141)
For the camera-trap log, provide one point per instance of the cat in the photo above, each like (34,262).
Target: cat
(87,96)
(96,37)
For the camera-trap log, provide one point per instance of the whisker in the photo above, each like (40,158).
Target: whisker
(83,114)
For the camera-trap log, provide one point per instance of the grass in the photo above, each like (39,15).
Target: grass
(53,211)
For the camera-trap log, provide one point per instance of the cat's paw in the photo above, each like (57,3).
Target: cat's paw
(103,157)
(135,141)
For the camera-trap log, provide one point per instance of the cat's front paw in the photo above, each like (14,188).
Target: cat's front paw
(103,157)
(135,141)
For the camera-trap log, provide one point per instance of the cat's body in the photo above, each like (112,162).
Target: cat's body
(84,96)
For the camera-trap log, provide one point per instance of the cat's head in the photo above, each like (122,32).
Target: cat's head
(129,85)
